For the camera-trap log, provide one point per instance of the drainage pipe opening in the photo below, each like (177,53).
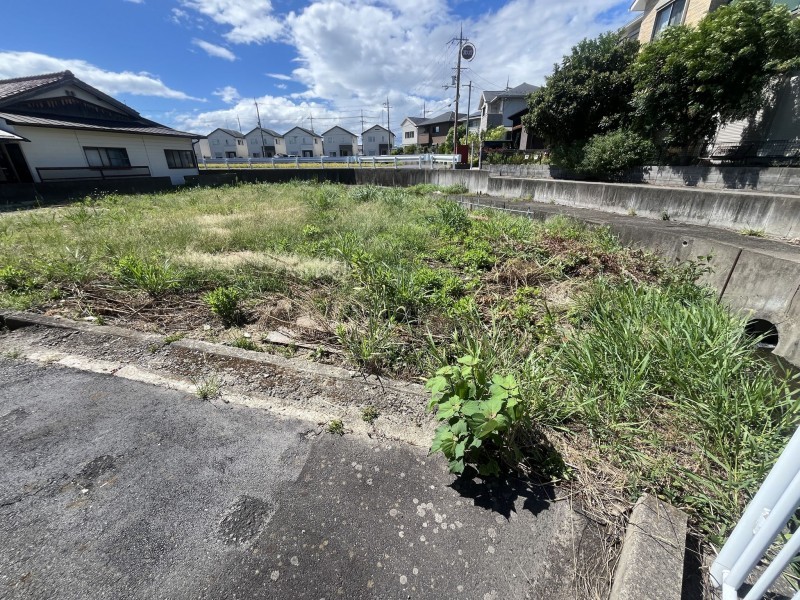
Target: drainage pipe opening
(765,332)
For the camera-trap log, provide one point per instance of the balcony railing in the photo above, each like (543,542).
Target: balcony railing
(75,173)
(785,152)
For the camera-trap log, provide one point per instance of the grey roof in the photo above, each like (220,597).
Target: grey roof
(378,126)
(340,127)
(13,91)
(269,132)
(522,89)
(21,88)
(416,120)
(230,132)
(446,117)
(143,128)
(304,130)
(11,88)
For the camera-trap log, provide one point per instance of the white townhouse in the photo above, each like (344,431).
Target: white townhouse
(337,141)
(302,142)
(377,141)
(55,127)
(227,143)
(409,130)
(265,143)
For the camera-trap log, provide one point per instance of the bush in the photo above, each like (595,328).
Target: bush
(610,156)
(478,415)
(224,302)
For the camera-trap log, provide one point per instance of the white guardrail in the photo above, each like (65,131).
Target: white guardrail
(419,160)
(763,521)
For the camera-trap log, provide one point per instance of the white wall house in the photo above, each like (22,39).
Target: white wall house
(496,107)
(302,142)
(227,143)
(409,131)
(337,141)
(55,127)
(264,143)
(377,141)
(202,149)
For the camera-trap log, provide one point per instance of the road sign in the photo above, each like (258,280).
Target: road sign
(468,51)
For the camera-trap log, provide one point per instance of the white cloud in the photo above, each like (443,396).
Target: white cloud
(250,21)
(214,50)
(280,76)
(360,52)
(229,94)
(280,86)
(20,64)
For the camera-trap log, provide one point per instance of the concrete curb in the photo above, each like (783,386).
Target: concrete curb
(16,320)
(651,562)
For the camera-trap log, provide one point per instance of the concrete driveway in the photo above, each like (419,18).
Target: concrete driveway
(112,488)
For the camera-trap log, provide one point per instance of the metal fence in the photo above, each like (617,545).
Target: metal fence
(763,522)
(421,161)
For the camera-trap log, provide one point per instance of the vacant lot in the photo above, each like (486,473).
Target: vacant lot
(630,376)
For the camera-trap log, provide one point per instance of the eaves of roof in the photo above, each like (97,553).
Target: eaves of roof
(142,129)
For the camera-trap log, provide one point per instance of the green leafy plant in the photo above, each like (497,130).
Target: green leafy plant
(336,427)
(15,280)
(208,388)
(609,156)
(369,414)
(224,302)
(478,415)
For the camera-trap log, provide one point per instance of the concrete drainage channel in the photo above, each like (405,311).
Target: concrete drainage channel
(651,561)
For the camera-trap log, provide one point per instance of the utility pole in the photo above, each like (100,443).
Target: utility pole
(388,126)
(457,81)
(362,120)
(469,108)
(311,118)
(458,87)
(260,130)
(239,122)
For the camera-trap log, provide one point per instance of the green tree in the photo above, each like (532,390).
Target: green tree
(691,80)
(495,134)
(587,94)
(447,146)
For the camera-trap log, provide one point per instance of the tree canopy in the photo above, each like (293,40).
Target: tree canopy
(588,93)
(677,91)
(691,80)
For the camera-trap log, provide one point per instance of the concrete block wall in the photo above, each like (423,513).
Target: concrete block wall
(780,180)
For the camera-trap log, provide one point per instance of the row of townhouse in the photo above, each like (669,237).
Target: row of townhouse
(298,141)
(496,108)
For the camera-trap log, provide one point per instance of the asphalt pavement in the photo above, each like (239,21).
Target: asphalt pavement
(112,488)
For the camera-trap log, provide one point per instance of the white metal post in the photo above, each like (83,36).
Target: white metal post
(774,486)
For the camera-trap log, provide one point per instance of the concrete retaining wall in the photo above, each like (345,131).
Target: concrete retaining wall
(60,191)
(781,180)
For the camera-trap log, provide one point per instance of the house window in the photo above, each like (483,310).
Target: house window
(276,141)
(668,16)
(371,138)
(240,142)
(436,129)
(316,141)
(180,159)
(409,135)
(107,157)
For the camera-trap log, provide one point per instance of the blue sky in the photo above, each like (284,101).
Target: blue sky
(199,64)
